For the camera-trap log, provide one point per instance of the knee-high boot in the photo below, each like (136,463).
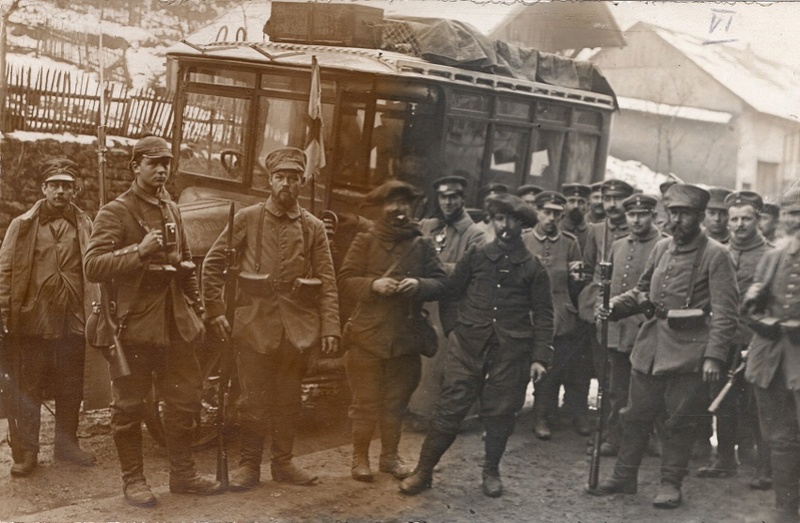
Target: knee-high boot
(362,437)
(391,462)
(498,430)
(433,448)
(786,480)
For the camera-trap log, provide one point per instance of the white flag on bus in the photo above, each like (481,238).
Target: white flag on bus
(315,147)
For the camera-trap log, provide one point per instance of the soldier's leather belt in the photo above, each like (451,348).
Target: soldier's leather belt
(263,284)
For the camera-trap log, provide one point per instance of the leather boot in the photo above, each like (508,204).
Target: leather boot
(26,465)
(541,427)
(128,440)
(248,474)
(498,430)
(724,465)
(390,461)
(183,478)
(435,445)
(283,469)
(362,436)
(66,446)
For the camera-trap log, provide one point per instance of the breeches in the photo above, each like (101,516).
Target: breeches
(497,378)
(380,386)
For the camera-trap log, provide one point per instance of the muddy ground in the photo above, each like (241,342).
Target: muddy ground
(544,481)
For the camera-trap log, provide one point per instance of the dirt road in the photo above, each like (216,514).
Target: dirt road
(544,481)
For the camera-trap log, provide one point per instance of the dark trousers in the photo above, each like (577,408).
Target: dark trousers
(175,372)
(380,387)
(58,366)
(779,412)
(568,359)
(619,380)
(496,378)
(681,398)
(271,395)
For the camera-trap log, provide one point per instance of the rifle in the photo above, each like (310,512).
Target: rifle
(231,273)
(733,376)
(594,467)
(114,353)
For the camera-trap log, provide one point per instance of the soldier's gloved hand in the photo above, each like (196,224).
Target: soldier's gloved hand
(152,243)
(538,372)
(221,327)
(752,293)
(712,370)
(385,286)
(408,286)
(330,344)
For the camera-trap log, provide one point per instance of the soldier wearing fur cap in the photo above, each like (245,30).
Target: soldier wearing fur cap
(495,348)
(43,303)
(287,308)
(391,271)
(773,359)
(139,249)
(688,291)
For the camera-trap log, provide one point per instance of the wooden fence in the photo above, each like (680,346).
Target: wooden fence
(57,101)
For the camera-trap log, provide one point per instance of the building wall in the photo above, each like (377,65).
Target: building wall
(697,152)
(763,139)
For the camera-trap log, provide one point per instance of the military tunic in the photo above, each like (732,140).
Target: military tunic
(580,231)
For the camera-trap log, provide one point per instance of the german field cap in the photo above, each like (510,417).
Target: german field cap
(492,188)
(640,203)
(393,190)
(791,200)
(550,200)
(522,190)
(596,187)
(616,188)
(717,200)
(59,170)
(664,186)
(772,209)
(687,195)
(285,159)
(450,185)
(744,198)
(505,203)
(151,147)
(576,190)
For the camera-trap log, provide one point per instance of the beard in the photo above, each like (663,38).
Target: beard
(683,235)
(397,219)
(575,215)
(285,199)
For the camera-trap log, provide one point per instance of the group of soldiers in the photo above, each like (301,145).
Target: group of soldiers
(446,316)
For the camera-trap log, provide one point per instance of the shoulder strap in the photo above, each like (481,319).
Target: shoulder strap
(259,233)
(306,243)
(403,257)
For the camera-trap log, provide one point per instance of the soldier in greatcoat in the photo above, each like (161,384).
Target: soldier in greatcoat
(287,307)
(139,249)
(773,359)
(503,338)
(628,257)
(391,271)
(689,290)
(560,253)
(44,303)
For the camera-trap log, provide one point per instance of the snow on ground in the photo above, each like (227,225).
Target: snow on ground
(636,174)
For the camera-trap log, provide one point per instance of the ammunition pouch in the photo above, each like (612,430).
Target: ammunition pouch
(254,284)
(99,334)
(686,319)
(263,285)
(307,289)
(767,327)
(791,329)
(158,276)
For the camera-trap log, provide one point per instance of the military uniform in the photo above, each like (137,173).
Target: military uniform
(452,237)
(383,359)
(773,364)
(505,322)
(668,355)
(277,325)
(44,303)
(158,308)
(579,229)
(560,254)
(628,257)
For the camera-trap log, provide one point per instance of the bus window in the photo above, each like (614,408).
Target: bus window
(465,141)
(545,158)
(404,142)
(579,155)
(508,156)
(221,77)
(352,145)
(211,135)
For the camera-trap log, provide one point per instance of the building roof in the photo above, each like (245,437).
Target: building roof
(673,111)
(766,86)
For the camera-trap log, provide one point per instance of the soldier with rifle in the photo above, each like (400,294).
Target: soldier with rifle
(688,291)
(139,249)
(44,302)
(287,312)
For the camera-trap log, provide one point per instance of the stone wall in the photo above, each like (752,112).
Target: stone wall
(20,181)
